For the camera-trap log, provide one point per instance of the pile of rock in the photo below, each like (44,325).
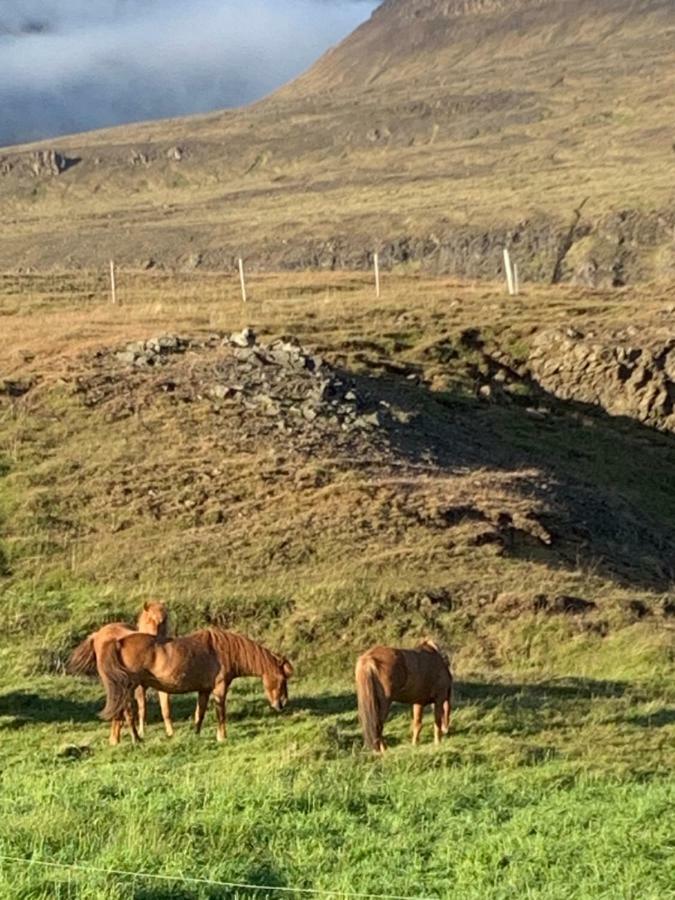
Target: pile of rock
(280,380)
(624,380)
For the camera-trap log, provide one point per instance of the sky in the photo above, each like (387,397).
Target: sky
(74,65)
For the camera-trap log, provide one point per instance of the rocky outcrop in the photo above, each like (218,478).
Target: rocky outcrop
(622,378)
(39,164)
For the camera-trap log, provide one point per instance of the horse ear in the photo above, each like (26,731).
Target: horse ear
(287,668)
(146,605)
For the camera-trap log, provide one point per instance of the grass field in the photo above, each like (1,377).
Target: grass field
(556,780)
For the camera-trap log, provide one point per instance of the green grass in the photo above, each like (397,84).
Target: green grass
(547,790)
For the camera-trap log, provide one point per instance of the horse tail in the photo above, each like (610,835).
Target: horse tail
(83,658)
(370,697)
(116,680)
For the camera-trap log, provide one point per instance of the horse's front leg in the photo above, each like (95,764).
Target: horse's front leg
(200,711)
(418,713)
(219,699)
(142,709)
(165,706)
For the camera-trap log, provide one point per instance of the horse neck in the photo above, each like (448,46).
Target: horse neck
(151,626)
(244,656)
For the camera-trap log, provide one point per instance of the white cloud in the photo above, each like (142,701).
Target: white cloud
(107,61)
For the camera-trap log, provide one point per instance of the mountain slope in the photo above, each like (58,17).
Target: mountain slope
(437,132)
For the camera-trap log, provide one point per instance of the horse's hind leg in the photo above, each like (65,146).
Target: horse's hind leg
(418,713)
(130,718)
(384,707)
(165,706)
(115,732)
(447,710)
(142,709)
(200,711)
(438,720)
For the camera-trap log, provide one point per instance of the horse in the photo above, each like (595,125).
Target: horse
(417,677)
(206,661)
(84,660)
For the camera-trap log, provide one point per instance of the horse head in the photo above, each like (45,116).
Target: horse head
(154,618)
(432,647)
(275,682)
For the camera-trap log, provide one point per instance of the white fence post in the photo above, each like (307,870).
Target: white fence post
(509,272)
(516,280)
(113,284)
(242,279)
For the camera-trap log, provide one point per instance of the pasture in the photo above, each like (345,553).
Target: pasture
(556,778)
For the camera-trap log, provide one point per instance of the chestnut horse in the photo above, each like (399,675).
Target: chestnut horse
(205,661)
(417,677)
(84,660)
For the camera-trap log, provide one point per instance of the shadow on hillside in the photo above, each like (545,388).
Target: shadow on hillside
(597,489)
(25,708)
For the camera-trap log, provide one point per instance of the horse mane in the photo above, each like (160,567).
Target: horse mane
(243,652)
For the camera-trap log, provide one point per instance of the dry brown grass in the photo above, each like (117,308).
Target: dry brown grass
(226,520)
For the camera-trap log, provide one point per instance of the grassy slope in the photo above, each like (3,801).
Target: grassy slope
(556,780)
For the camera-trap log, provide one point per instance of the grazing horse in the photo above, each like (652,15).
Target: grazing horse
(418,677)
(205,661)
(84,660)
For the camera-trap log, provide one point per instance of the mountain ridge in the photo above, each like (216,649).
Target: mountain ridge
(437,132)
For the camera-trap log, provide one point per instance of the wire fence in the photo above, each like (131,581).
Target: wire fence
(227,888)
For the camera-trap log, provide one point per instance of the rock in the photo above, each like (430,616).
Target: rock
(638,609)
(563,605)
(220,392)
(245,338)
(126,357)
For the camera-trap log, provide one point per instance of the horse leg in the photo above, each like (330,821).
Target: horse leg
(130,718)
(219,697)
(385,706)
(200,712)
(438,720)
(115,732)
(447,709)
(418,712)
(142,709)
(165,706)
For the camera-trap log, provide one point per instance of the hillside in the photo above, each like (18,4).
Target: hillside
(437,132)
(355,472)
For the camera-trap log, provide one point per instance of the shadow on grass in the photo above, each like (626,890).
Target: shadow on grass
(25,708)
(261,877)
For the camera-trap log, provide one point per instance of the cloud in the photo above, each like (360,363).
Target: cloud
(71,66)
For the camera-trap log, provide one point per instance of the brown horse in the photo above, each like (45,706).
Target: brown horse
(205,661)
(418,677)
(84,660)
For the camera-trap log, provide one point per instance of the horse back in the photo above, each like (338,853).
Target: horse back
(180,665)
(410,676)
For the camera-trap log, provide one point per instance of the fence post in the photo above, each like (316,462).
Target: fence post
(516,280)
(376,263)
(113,285)
(242,279)
(509,272)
